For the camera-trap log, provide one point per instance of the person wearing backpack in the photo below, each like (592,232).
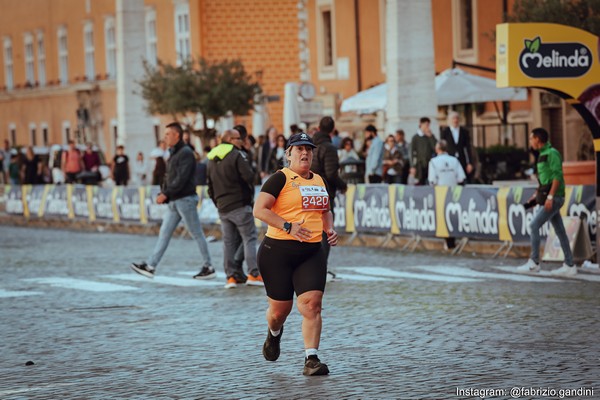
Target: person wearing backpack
(72,163)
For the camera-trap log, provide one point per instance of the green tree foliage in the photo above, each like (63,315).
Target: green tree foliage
(212,88)
(583,14)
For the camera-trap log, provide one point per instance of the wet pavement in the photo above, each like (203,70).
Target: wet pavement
(396,326)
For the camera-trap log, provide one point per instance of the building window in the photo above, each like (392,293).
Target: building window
(464,29)
(41,48)
(151,40)
(182,32)
(326,39)
(8,64)
(32,134)
(63,56)
(45,134)
(89,50)
(29,60)
(111,47)
(66,125)
(12,129)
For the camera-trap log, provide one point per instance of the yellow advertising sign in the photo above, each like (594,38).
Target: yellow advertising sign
(551,56)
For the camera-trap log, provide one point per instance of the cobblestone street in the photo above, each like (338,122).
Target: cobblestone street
(396,325)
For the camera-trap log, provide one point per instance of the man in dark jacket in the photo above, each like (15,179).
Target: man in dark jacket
(179,193)
(459,143)
(230,186)
(326,163)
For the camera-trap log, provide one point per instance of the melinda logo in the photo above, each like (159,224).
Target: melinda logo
(554,60)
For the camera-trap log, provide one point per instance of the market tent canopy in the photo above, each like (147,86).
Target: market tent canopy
(453,86)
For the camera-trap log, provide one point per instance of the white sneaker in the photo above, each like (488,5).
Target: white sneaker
(565,270)
(529,267)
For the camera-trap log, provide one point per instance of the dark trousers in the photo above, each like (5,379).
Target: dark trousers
(375,179)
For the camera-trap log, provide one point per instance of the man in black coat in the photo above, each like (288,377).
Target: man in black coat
(459,144)
(231,188)
(178,191)
(326,163)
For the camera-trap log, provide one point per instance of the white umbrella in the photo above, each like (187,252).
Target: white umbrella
(453,86)
(368,101)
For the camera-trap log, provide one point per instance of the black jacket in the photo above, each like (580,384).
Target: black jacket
(326,163)
(180,178)
(461,150)
(230,178)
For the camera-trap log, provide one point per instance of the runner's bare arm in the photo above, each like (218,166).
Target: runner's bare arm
(262,210)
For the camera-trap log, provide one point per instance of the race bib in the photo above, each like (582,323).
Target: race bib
(314,198)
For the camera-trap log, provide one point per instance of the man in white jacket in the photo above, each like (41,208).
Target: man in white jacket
(445,170)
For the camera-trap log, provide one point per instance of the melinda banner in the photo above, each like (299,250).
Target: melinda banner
(477,212)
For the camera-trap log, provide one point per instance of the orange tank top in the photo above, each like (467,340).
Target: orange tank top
(301,199)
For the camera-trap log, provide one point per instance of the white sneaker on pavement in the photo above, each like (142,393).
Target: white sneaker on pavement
(565,270)
(529,267)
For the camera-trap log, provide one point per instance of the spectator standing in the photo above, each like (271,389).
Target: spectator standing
(3,170)
(91,164)
(422,149)
(404,148)
(140,170)
(265,154)
(120,167)
(445,170)
(179,193)
(550,195)
(6,160)
(72,163)
(336,139)
(347,153)
(325,163)
(459,143)
(248,147)
(187,139)
(393,163)
(277,155)
(374,161)
(160,169)
(14,170)
(32,168)
(231,188)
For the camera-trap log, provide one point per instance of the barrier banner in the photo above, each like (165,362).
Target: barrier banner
(57,202)
(35,196)
(104,207)
(14,199)
(371,208)
(470,212)
(339,212)
(414,210)
(129,203)
(207,211)
(582,203)
(153,211)
(81,201)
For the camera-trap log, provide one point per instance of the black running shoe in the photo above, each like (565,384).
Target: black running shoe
(207,272)
(143,269)
(271,347)
(314,366)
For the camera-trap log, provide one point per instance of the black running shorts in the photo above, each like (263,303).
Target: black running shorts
(289,266)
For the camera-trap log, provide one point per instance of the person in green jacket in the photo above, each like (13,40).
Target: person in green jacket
(550,176)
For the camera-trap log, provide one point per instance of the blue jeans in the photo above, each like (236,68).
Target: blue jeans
(555,219)
(181,209)
(236,223)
